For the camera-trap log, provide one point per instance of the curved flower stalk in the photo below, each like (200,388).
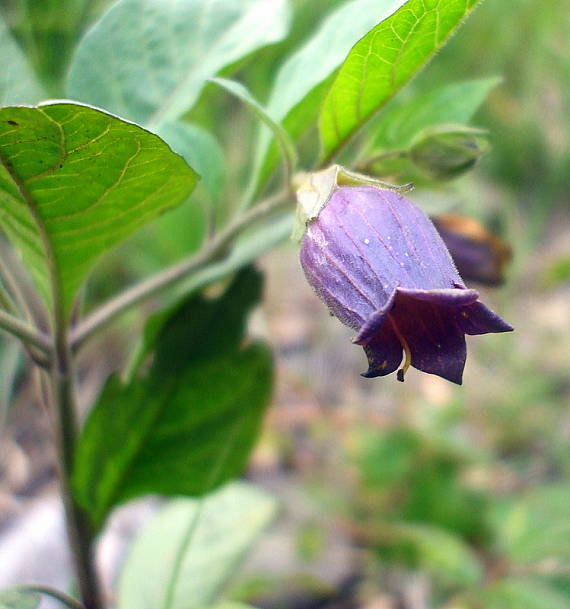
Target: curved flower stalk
(382,269)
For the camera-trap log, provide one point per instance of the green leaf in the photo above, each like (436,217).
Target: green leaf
(455,103)
(200,545)
(14,598)
(148,61)
(536,528)
(522,593)
(382,62)
(304,78)
(443,555)
(242,93)
(200,149)
(18,83)
(75,182)
(191,422)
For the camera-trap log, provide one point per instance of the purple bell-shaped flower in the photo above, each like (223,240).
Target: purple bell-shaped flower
(382,269)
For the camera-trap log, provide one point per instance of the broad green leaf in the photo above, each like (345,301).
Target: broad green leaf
(381,63)
(74,182)
(148,60)
(441,554)
(15,598)
(200,149)
(304,78)
(522,593)
(204,336)
(242,93)
(455,103)
(536,528)
(200,544)
(191,422)
(18,83)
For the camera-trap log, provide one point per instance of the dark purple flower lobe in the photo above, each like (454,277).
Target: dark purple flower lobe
(381,267)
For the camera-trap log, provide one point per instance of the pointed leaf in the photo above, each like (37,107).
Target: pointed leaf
(382,62)
(454,103)
(74,182)
(304,78)
(18,83)
(200,544)
(148,61)
(191,422)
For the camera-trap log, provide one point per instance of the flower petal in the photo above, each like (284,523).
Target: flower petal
(435,340)
(373,324)
(451,297)
(479,319)
(384,353)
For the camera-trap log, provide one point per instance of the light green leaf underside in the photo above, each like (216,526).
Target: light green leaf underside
(18,83)
(242,93)
(74,182)
(302,81)
(382,62)
(208,537)
(200,149)
(148,60)
(455,103)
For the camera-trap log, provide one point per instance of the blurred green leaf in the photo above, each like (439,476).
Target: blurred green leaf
(200,149)
(242,93)
(148,61)
(18,83)
(521,593)
(302,81)
(191,422)
(75,182)
(442,555)
(381,63)
(47,30)
(535,528)
(455,103)
(200,544)
(14,598)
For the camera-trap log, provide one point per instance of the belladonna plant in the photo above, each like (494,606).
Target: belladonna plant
(382,269)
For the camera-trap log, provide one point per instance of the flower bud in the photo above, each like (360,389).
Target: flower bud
(446,152)
(382,269)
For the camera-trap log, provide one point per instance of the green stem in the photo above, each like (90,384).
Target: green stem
(165,279)
(53,593)
(25,333)
(80,533)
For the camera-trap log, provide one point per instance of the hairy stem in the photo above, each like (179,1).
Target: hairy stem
(26,333)
(165,279)
(80,533)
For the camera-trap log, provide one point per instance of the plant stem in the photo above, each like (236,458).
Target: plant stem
(25,333)
(57,594)
(79,530)
(165,279)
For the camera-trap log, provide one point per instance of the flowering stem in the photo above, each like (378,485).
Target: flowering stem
(154,285)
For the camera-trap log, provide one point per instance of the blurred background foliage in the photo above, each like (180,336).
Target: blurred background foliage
(455,498)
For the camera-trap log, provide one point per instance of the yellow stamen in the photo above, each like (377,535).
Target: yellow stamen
(407,353)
